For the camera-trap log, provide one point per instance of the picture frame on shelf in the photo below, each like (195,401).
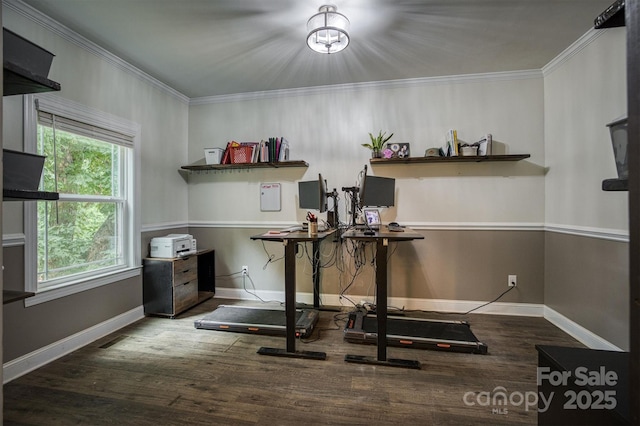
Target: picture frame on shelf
(397,150)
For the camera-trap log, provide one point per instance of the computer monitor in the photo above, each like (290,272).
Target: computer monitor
(312,194)
(376,191)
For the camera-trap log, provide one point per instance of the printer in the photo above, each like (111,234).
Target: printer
(173,245)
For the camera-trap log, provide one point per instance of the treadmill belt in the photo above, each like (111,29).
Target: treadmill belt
(246,319)
(455,336)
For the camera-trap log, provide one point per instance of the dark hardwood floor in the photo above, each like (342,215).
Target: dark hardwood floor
(165,372)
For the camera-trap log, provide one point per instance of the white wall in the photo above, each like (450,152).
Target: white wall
(326,127)
(582,95)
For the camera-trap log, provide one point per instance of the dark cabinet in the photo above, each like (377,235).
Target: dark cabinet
(171,286)
(579,386)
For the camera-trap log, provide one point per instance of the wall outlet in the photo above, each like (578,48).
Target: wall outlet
(245,270)
(512,280)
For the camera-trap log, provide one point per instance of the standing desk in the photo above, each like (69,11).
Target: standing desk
(290,240)
(382,238)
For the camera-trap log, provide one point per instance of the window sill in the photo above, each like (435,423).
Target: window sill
(88,284)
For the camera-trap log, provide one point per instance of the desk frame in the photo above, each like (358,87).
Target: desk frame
(381,239)
(290,241)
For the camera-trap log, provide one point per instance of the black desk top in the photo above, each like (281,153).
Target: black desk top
(293,236)
(383,232)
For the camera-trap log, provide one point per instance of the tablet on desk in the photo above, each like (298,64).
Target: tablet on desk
(372,217)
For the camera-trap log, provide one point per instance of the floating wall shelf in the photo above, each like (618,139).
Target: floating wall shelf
(457,159)
(9,296)
(18,81)
(615,185)
(277,165)
(22,195)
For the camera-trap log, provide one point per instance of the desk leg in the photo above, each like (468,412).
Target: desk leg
(381,314)
(316,274)
(381,297)
(290,310)
(290,293)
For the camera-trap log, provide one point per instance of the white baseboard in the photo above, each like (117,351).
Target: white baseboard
(436,305)
(578,332)
(36,359)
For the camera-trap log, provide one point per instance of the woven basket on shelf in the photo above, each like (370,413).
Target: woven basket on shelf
(241,154)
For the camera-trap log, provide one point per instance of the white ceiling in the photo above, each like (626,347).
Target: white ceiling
(216,47)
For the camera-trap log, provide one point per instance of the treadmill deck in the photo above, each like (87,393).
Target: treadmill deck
(454,336)
(247,319)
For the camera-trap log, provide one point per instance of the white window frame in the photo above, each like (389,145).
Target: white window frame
(131,215)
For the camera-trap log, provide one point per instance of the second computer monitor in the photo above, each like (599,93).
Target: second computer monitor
(313,194)
(377,191)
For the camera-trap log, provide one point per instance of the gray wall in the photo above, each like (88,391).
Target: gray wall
(449,265)
(587,280)
(32,328)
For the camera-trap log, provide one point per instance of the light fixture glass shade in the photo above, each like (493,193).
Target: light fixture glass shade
(328,30)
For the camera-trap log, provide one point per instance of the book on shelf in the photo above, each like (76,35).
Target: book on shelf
(283,153)
(484,145)
(271,150)
(450,147)
(226,157)
(453,140)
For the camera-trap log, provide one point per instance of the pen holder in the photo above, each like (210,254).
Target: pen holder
(313,227)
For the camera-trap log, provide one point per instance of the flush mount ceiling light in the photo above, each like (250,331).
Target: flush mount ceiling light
(328,30)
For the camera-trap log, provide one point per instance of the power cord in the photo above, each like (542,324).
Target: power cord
(494,300)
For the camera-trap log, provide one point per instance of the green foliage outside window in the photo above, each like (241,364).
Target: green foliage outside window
(79,234)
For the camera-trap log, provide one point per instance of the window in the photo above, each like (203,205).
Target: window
(88,237)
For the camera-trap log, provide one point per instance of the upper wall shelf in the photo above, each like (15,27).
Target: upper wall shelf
(26,66)
(9,296)
(18,81)
(204,167)
(23,195)
(457,159)
(612,17)
(615,185)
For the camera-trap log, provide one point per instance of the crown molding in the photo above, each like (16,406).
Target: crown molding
(575,48)
(342,88)
(75,38)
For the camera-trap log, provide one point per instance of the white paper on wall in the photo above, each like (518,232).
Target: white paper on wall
(270,197)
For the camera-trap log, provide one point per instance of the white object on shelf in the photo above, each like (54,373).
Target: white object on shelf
(213,155)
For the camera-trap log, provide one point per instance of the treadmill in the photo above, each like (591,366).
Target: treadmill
(443,335)
(256,320)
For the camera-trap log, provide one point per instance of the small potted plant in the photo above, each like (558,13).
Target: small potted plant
(377,143)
